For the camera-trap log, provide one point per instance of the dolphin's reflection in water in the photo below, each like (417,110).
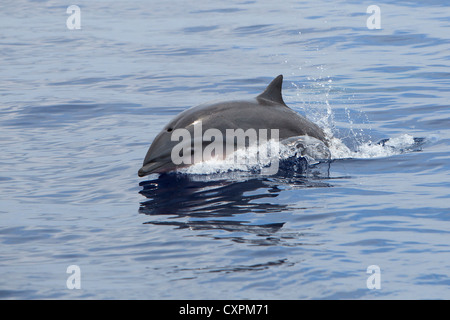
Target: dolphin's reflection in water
(227,202)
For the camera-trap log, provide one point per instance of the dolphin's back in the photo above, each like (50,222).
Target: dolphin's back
(250,114)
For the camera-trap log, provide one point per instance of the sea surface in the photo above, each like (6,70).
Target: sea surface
(80,107)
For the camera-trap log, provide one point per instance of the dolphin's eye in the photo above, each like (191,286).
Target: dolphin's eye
(169,129)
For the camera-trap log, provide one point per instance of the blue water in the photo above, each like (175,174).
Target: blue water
(79,109)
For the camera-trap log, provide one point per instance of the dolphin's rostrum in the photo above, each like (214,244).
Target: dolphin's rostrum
(266,111)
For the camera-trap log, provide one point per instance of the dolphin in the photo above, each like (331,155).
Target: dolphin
(266,111)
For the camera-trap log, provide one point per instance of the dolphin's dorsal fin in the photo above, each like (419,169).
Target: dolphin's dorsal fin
(273,91)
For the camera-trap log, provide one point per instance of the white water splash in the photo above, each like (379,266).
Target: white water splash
(246,159)
(250,160)
(325,118)
(390,147)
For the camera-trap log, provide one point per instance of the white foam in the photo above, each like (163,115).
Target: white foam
(250,159)
(246,159)
(393,146)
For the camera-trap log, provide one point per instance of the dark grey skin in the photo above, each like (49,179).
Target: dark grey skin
(266,111)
